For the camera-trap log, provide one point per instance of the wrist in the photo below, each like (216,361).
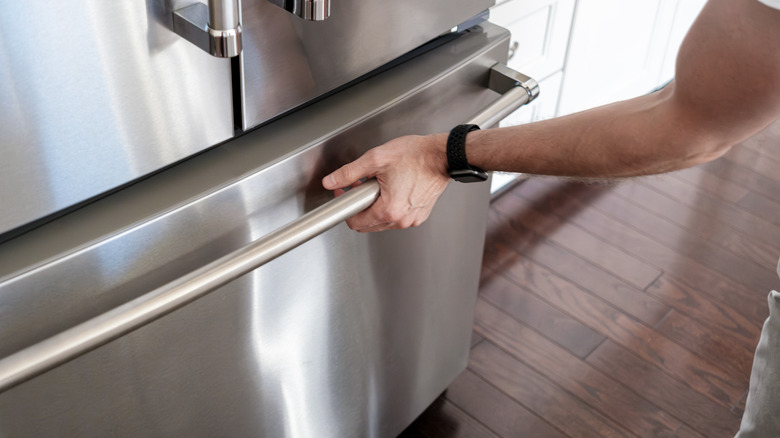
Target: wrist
(436,148)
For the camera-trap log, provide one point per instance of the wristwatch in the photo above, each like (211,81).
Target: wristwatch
(459,168)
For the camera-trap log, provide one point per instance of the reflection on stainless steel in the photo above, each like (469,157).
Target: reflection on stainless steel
(129,93)
(223,14)
(121,97)
(215,29)
(348,335)
(87,336)
(312,10)
(293,61)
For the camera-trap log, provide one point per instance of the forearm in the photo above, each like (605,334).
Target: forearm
(640,136)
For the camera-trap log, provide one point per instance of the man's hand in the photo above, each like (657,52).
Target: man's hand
(412,174)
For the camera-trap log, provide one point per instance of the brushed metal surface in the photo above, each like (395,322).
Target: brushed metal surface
(224,14)
(288,61)
(89,335)
(194,24)
(348,335)
(95,94)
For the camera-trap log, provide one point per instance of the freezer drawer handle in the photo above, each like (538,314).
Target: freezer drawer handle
(214,28)
(517,90)
(69,344)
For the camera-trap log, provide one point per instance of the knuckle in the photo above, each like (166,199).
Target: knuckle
(373,158)
(347,174)
(393,216)
(406,223)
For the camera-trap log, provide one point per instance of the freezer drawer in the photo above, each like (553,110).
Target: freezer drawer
(96,94)
(346,335)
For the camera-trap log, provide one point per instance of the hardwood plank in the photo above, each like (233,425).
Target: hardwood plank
(509,240)
(626,233)
(686,432)
(761,206)
(696,410)
(702,375)
(623,223)
(444,420)
(495,410)
(685,254)
(711,183)
(608,228)
(711,342)
(755,161)
(705,204)
(542,317)
(595,388)
(548,401)
(694,221)
(745,177)
(580,242)
(758,251)
(703,308)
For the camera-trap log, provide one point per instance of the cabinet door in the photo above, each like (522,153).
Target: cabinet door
(616,51)
(540,33)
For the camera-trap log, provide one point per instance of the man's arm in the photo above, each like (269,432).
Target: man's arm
(727,87)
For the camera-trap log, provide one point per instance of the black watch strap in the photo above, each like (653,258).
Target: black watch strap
(459,168)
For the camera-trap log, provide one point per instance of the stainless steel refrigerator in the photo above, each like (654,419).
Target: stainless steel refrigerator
(148,163)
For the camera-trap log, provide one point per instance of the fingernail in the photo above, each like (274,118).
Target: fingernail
(329,182)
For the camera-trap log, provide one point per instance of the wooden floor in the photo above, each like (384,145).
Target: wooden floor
(621,310)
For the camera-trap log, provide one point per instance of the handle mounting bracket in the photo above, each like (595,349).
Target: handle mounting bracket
(193,23)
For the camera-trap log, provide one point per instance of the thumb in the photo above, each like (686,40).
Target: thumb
(346,175)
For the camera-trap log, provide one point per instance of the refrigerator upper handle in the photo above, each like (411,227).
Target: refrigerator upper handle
(32,361)
(215,28)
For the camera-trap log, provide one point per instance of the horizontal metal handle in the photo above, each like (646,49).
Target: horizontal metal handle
(214,28)
(517,90)
(74,342)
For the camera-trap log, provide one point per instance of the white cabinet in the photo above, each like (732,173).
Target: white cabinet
(621,49)
(616,51)
(540,33)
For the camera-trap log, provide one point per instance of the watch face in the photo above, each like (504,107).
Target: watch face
(469,175)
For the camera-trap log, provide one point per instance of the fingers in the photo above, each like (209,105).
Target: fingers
(347,175)
(383,216)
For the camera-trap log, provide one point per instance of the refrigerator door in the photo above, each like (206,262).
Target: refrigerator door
(348,335)
(288,61)
(96,94)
